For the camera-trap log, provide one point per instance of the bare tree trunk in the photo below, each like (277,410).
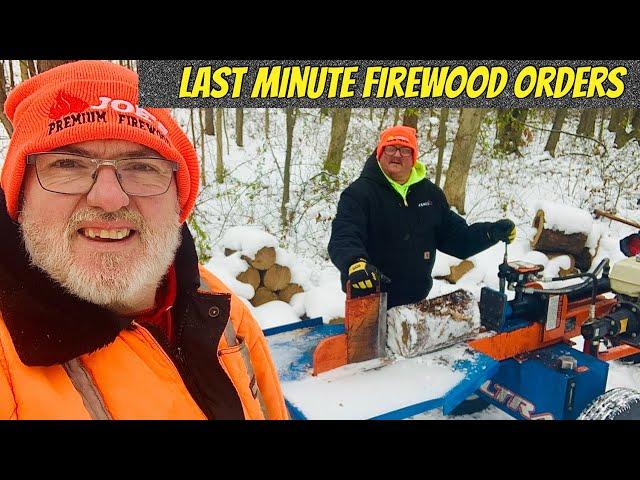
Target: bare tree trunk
(219,163)
(266,123)
(622,136)
(371,114)
(441,142)
(203,178)
(239,127)
(456,183)
(618,120)
(339,126)
(44,65)
(429,125)
(554,136)
(12,82)
(209,129)
(226,134)
(587,123)
(290,123)
(24,70)
(32,68)
(324,112)
(396,117)
(3,97)
(384,115)
(603,113)
(410,117)
(510,128)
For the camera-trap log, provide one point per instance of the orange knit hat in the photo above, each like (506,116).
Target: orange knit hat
(399,135)
(91,100)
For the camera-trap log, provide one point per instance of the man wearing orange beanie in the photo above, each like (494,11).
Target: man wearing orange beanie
(392,219)
(104,310)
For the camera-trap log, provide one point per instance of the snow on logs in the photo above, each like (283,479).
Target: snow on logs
(270,280)
(565,230)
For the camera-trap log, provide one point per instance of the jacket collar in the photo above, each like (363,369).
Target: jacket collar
(48,325)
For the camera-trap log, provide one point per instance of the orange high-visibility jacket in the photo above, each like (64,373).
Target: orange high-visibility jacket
(135,378)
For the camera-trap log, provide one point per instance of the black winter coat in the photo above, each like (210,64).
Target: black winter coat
(373,222)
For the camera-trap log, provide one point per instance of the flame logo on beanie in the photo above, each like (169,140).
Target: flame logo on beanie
(65,104)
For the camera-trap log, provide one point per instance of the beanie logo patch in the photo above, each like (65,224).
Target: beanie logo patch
(397,137)
(69,111)
(65,104)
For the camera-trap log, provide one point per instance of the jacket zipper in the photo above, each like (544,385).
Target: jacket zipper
(178,363)
(86,387)
(151,339)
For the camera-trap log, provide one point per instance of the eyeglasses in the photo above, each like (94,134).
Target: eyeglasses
(73,174)
(392,149)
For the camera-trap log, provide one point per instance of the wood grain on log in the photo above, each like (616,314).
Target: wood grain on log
(250,276)
(264,259)
(289,291)
(262,296)
(277,277)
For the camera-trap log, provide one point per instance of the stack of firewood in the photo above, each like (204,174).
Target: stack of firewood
(553,243)
(269,280)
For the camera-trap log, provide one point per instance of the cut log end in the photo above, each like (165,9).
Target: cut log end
(277,277)
(250,276)
(262,296)
(289,291)
(265,258)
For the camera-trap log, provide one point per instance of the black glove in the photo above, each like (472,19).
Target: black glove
(502,231)
(364,278)
(630,245)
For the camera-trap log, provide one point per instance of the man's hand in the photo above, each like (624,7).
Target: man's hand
(630,245)
(364,278)
(502,231)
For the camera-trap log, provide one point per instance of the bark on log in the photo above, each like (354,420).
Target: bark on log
(262,296)
(289,291)
(584,258)
(419,328)
(553,241)
(250,276)
(264,259)
(277,277)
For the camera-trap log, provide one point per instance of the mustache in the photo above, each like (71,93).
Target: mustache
(97,214)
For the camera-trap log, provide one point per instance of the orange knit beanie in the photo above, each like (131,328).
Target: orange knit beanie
(91,100)
(399,135)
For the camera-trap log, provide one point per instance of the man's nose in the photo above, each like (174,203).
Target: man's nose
(106,192)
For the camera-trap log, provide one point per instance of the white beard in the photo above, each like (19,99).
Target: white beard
(114,280)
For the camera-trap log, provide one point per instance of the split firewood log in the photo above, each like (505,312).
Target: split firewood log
(262,296)
(277,277)
(250,276)
(457,271)
(563,272)
(554,241)
(264,259)
(289,291)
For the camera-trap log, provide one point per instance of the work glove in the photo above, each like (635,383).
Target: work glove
(502,231)
(364,278)
(630,245)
